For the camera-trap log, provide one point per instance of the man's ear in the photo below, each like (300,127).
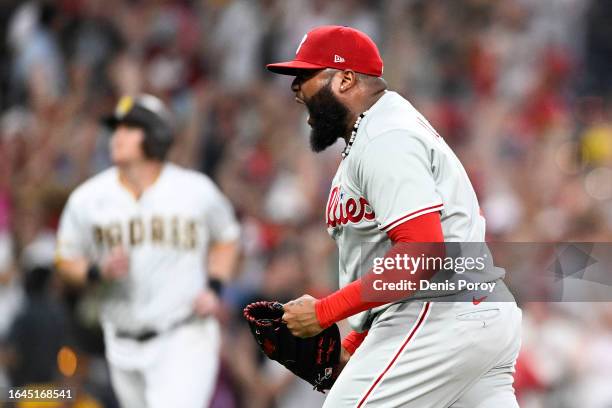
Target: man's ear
(349,80)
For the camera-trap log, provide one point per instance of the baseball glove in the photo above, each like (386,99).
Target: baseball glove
(314,359)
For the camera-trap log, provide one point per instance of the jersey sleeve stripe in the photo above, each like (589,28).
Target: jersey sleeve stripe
(427,126)
(419,323)
(411,215)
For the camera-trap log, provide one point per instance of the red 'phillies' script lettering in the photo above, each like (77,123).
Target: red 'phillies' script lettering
(341,213)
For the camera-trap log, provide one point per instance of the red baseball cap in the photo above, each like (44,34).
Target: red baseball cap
(333,47)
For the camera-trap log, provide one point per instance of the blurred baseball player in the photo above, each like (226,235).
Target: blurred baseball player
(161,240)
(398,182)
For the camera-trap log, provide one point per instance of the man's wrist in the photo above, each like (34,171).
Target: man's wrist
(94,273)
(321,315)
(216,285)
(353,340)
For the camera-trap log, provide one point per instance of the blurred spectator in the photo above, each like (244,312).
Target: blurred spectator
(598,49)
(38,66)
(38,333)
(11,297)
(237,38)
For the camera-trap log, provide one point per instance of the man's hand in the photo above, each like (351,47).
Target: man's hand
(115,265)
(301,317)
(206,303)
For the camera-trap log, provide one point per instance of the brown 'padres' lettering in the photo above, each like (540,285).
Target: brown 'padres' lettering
(191,235)
(136,231)
(157,230)
(114,235)
(174,231)
(98,235)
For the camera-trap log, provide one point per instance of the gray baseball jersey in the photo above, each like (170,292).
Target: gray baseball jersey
(167,232)
(398,169)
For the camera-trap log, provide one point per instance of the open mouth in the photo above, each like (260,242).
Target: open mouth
(308,119)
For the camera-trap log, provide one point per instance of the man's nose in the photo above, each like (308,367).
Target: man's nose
(295,85)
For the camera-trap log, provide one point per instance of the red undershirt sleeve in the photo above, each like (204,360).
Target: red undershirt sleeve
(349,300)
(353,340)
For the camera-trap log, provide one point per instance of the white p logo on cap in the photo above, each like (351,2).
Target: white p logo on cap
(301,42)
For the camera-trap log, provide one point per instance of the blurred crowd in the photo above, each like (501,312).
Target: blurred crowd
(521,89)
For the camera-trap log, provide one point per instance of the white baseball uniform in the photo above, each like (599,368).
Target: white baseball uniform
(417,353)
(167,232)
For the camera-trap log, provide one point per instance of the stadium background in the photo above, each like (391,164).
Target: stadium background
(519,88)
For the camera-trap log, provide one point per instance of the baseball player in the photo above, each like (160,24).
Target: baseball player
(398,182)
(160,240)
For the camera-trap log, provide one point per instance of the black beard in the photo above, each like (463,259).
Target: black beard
(329,118)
